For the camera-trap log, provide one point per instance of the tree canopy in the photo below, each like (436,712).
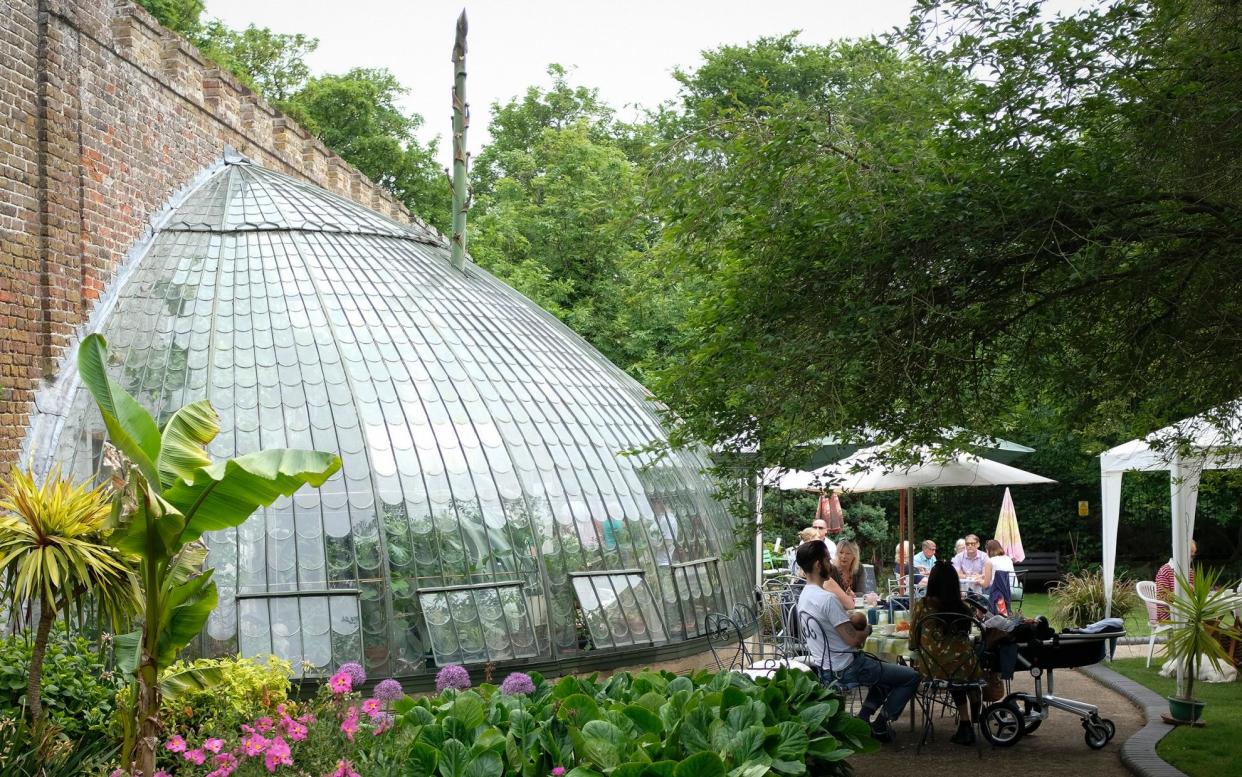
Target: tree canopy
(987,213)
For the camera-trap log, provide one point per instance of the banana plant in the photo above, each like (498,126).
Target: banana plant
(173,493)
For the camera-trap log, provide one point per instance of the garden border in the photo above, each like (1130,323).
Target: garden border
(1138,752)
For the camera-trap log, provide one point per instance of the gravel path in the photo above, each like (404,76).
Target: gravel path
(1057,748)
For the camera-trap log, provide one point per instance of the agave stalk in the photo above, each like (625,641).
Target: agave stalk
(1198,616)
(53,551)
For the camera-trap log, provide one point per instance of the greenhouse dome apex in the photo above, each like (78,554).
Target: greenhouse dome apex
(485,510)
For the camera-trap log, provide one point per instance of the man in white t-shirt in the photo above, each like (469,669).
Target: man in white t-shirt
(834,647)
(821,526)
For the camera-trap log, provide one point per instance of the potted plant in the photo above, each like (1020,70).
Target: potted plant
(1197,618)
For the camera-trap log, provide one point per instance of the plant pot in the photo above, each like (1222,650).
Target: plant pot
(1185,710)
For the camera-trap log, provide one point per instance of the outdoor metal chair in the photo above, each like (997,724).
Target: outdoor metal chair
(945,674)
(823,659)
(1146,590)
(727,641)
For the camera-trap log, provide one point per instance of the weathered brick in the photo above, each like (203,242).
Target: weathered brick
(98,133)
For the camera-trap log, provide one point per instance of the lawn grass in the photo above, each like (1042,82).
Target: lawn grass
(1212,751)
(1037,603)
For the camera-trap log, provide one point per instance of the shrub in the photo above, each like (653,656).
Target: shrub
(23,754)
(248,689)
(645,724)
(1078,600)
(79,691)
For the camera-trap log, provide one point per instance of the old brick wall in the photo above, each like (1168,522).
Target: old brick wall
(106,115)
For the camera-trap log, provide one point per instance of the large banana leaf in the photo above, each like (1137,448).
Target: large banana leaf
(130,427)
(186,609)
(186,435)
(175,682)
(226,493)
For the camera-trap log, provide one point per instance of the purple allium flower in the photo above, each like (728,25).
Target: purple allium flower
(452,676)
(354,671)
(389,690)
(517,682)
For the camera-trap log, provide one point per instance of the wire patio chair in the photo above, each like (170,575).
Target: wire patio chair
(950,663)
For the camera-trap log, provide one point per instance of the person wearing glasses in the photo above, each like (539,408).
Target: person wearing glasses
(969,563)
(821,527)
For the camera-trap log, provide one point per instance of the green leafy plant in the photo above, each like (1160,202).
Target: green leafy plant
(1078,600)
(79,689)
(173,492)
(55,550)
(1197,618)
(27,753)
(645,725)
(244,689)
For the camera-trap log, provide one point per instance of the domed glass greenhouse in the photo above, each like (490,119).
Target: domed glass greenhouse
(485,510)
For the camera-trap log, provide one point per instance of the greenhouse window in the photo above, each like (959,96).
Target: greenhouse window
(619,608)
(316,631)
(470,624)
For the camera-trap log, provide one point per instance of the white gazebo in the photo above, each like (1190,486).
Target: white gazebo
(1184,450)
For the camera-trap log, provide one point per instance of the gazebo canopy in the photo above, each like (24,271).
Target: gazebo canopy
(1184,449)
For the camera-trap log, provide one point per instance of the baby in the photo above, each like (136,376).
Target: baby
(859,620)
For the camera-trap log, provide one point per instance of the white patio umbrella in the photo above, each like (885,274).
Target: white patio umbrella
(863,472)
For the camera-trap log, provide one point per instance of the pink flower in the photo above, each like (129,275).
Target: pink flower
(281,709)
(372,707)
(195,756)
(213,745)
(344,769)
(340,683)
(278,754)
(293,729)
(175,744)
(558,771)
(263,725)
(253,744)
(306,719)
(226,761)
(350,724)
(161,773)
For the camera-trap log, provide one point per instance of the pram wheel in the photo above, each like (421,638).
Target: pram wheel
(1032,711)
(1109,726)
(1095,734)
(1002,724)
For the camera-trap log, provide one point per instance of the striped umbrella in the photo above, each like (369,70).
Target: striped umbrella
(1007,533)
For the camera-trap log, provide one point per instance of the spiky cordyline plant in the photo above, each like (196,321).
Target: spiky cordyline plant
(53,551)
(1198,615)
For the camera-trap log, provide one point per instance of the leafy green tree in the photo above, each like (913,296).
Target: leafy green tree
(962,224)
(559,215)
(54,552)
(174,493)
(182,16)
(356,114)
(273,63)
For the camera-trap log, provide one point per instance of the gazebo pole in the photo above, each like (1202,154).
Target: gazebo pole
(901,534)
(910,549)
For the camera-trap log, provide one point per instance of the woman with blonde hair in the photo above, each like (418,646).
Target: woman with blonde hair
(850,566)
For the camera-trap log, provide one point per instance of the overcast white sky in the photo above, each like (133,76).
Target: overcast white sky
(626,49)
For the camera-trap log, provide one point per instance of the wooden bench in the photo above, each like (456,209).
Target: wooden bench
(1040,568)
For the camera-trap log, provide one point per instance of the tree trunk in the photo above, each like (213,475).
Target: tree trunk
(34,686)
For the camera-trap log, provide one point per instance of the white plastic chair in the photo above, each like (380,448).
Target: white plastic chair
(1146,590)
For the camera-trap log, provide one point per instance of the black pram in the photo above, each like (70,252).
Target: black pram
(1041,651)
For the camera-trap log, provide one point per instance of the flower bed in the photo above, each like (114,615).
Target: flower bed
(650,724)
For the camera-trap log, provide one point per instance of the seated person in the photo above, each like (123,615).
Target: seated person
(924,560)
(1166,577)
(997,574)
(839,638)
(902,558)
(969,563)
(948,651)
(850,567)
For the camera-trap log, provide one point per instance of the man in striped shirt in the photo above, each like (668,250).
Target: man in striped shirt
(1165,579)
